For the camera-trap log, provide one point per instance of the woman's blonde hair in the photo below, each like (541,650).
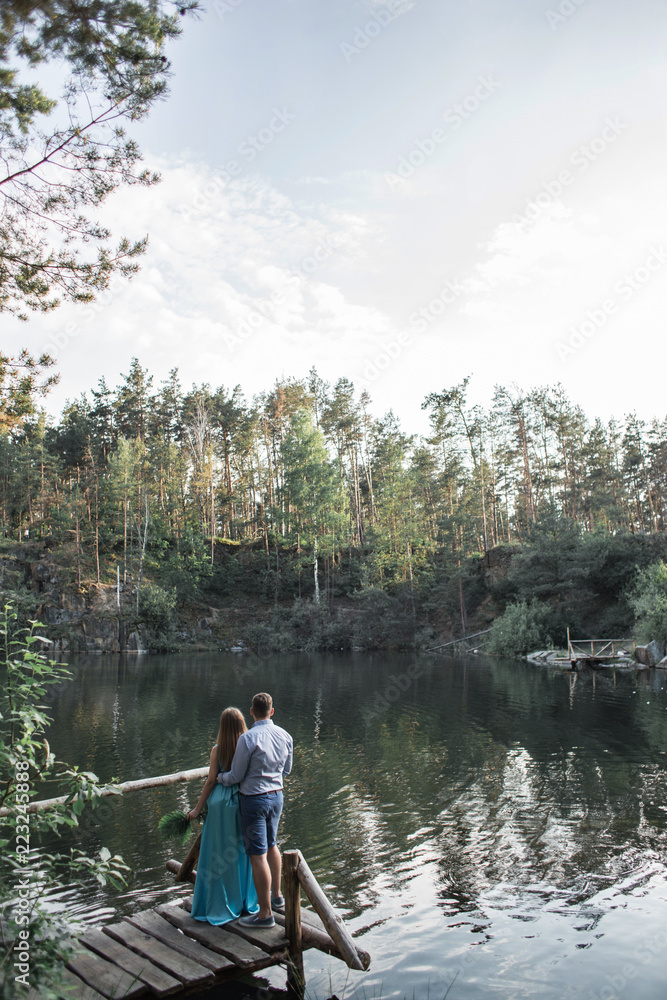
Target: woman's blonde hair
(232,724)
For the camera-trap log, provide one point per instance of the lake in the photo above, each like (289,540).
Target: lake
(489,828)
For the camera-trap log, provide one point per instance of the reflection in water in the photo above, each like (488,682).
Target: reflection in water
(486,825)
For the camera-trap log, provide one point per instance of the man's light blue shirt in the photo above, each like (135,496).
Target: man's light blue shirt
(263,756)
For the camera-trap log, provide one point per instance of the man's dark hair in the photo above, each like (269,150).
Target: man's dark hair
(262,704)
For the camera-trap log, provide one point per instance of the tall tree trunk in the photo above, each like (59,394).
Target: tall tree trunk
(142,550)
(212,515)
(317,582)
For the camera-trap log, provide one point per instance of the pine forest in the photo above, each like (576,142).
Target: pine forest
(330,527)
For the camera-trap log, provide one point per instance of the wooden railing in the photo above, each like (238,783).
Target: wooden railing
(125,786)
(296,876)
(595,649)
(335,939)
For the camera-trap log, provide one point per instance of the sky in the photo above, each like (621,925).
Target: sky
(399,192)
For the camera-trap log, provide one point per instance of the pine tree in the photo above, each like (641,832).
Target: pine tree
(50,246)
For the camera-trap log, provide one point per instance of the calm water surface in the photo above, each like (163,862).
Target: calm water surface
(488,827)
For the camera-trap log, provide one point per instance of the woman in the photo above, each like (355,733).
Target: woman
(224,886)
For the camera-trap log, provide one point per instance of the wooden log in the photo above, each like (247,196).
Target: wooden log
(353,957)
(192,857)
(310,919)
(313,937)
(295,973)
(190,973)
(158,981)
(176,867)
(244,955)
(124,786)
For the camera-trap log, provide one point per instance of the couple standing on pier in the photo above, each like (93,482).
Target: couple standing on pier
(239,864)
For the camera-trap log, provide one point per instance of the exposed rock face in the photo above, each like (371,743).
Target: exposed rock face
(101,633)
(135,643)
(650,655)
(89,620)
(496,563)
(43,577)
(79,623)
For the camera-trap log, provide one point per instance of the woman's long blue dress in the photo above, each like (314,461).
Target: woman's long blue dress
(224,887)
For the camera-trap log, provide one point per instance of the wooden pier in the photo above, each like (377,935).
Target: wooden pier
(166,952)
(595,652)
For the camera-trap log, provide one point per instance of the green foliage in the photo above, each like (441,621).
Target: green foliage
(581,578)
(175,826)
(25,761)
(304,626)
(379,620)
(521,629)
(157,609)
(186,569)
(116,69)
(649,603)
(383,620)
(23,378)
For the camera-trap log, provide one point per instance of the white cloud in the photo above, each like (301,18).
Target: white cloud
(242,284)
(233,288)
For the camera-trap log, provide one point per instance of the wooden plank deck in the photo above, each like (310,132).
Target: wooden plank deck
(160,983)
(166,952)
(216,939)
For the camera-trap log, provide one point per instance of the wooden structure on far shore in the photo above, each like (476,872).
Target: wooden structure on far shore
(596,652)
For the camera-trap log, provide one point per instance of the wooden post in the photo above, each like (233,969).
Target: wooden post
(190,861)
(295,974)
(354,957)
(174,867)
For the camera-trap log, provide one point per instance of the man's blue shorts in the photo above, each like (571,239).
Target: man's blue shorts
(260,815)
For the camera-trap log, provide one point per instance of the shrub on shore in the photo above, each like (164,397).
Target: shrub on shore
(522,628)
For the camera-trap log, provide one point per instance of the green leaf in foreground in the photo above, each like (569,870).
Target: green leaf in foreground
(175,826)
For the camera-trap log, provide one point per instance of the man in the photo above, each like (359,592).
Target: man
(263,757)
